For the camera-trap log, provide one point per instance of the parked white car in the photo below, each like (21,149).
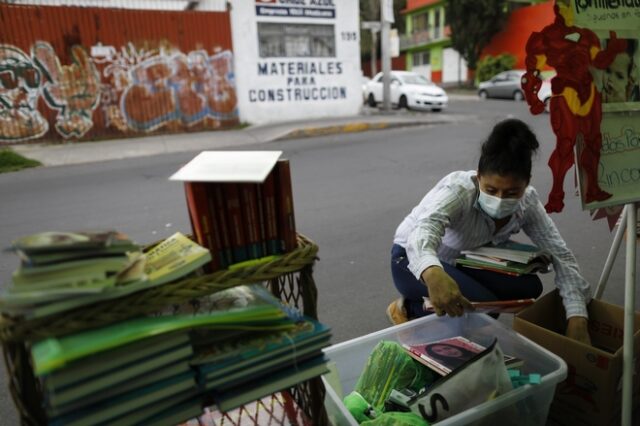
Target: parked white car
(545,93)
(408,90)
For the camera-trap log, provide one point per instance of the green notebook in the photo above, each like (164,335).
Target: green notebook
(160,374)
(282,380)
(104,362)
(128,373)
(128,402)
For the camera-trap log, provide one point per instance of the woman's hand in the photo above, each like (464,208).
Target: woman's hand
(577,329)
(444,293)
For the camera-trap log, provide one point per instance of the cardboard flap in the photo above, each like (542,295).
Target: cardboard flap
(228,166)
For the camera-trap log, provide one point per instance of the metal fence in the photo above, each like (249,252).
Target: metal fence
(177,5)
(73,73)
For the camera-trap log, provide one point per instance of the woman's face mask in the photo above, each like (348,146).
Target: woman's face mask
(499,195)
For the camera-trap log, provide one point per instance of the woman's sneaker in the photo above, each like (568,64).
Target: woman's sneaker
(396,312)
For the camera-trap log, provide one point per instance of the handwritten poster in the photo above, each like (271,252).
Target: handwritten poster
(618,86)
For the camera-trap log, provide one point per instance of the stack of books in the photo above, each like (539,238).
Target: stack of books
(157,370)
(240,205)
(248,367)
(511,258)
(60,271)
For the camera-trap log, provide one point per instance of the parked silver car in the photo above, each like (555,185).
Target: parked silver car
(503,85)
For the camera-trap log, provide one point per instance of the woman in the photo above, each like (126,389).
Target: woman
(620,77)
(468,209)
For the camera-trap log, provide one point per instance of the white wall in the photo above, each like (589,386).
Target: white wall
(212,5)
(294,88)
(454,68)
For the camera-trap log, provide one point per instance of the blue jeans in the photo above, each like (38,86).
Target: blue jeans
(476,285)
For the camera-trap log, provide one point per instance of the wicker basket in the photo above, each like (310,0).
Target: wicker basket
(290,278)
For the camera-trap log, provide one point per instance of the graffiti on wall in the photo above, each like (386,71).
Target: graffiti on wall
(150,90)
(72,90)
(19,91)
(135,89)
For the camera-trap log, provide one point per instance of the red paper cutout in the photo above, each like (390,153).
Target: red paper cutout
(575,109)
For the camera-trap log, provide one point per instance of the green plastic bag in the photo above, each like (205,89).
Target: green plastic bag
(396,419)
(390,367)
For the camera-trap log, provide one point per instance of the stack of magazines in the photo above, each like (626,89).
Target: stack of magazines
(510,257)
(60,271)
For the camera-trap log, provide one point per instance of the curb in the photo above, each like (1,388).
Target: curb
(352,128)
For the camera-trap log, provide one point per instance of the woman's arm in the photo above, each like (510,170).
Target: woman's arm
(435,213)
(574,289)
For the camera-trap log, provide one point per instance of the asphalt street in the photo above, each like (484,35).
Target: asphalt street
(350,192)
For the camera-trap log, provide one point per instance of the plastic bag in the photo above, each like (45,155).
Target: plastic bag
(396,419)
(480,379)
(390,367)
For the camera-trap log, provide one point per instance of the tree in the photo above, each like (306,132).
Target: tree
(473,24)
(370,11)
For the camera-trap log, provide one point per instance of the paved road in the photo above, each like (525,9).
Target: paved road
(350,193)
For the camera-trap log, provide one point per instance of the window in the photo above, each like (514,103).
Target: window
(436,25)
(421,58)
(296,40)
(420,22)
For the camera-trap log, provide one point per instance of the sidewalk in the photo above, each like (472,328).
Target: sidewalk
(86,152)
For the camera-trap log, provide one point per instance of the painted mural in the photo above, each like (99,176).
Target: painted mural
(149,90)
(19,91)
(135,90)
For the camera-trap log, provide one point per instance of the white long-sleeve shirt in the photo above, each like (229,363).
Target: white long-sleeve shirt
(449,219)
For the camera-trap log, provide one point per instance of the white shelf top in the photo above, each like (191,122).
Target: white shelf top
(228,166)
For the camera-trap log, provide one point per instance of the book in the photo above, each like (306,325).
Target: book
(510,268)
(268,190)
(127,373)
(174,258)
(253,370)
(248,346)
(285,211)
(253,356)
(219,212)
(237,237)
(57,241)
(445,355)
(127,402)
(95,272)
(249,206)
(510,250)
(111,360)
(137,383)
(203,223)
(283,379)
(496,306)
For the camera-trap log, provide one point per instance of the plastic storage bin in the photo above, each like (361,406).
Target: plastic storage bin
(526,405)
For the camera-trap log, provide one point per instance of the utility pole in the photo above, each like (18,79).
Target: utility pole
(386,19)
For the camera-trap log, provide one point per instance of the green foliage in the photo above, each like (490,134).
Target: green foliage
(370,11)
(473,24)
(492,65)
(11,162)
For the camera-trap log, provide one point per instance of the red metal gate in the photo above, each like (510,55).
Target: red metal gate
(79,73)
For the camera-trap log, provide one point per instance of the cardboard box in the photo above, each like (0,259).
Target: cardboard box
(592,392)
